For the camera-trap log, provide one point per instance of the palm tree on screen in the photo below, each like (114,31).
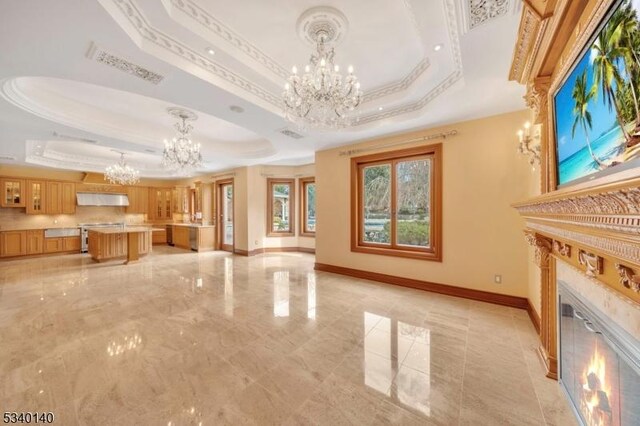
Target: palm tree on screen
(582,96)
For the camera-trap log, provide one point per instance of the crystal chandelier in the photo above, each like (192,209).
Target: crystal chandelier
(121,173)
(321,97)
(181,153)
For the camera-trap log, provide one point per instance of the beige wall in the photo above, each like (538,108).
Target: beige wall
(257,206)
(482,235)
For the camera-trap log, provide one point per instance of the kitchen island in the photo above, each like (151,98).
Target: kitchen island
(112,243)
(193,236)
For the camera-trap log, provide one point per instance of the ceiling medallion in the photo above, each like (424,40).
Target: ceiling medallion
(121,173)
(181,154)
(321,97)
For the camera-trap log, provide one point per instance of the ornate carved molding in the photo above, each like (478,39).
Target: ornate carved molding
(536,98)
(481,11)
(542,247)
(619,202)
(592,262)
(527,35)
(621,249)
(562,249)
(628,278)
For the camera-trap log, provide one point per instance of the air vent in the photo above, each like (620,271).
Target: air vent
(74,138)
(7,158)
(107,58)
(291,133)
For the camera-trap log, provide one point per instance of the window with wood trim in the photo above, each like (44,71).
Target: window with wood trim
(280,207)
(396,203)
(308,207)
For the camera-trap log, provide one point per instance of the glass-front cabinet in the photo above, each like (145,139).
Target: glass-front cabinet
(36,197)
(12,193)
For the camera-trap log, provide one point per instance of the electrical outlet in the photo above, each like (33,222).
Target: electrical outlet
(497,279)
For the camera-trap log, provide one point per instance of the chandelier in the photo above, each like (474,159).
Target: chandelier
(321,96)
(121,173)
(181,153)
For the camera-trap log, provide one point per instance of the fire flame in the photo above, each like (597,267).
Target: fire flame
(596,391)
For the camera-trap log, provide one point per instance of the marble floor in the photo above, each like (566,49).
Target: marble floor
(183,338)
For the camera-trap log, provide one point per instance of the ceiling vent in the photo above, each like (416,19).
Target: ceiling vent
(7,158)
(107,58)
(291,133)
(74,138)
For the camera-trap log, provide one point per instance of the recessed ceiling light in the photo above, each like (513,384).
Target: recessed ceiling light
(236,108)
(210,51)
(437,47)
(380,108)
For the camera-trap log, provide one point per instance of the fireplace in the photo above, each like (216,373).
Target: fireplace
(599,363)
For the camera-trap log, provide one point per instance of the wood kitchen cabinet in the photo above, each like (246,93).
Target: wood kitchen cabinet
(12,192)
(160,201)
(180,199)
(13,243)
(36,193)
(68,198)
(138,200)
(53,245)
(54,197)
(71,244)
(35,241)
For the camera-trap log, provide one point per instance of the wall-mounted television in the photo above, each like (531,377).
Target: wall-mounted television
(597,106)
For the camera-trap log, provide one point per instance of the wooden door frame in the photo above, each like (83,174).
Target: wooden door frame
(219,208)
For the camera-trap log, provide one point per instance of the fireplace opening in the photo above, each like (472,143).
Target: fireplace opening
(599,364)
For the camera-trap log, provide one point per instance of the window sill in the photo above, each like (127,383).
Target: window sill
(432,255)
(281,234)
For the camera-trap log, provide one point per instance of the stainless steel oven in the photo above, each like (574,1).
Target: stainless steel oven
(84,232)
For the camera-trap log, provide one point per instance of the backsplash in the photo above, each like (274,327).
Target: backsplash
(16,218)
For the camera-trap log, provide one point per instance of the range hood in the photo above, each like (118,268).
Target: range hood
(102,199)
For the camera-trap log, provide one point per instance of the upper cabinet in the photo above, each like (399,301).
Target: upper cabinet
(180,199)
(68,198)
(36,193)
(54,197)
(138,200)
(12,192)
(160,202)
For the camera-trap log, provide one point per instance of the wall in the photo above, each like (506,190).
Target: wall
(482,235)
(257,206)
(16,218)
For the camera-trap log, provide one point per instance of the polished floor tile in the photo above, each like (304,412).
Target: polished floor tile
(183,338)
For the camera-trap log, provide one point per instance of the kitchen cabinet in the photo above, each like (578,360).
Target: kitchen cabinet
(35,241)
(54,197)
(13,243)
(12,192)
(53,245)
(36,193)
(71,244)
(180,199)
(160,201)
(205,236)
(181,237)
(159,237)
(138,200)
(68,195)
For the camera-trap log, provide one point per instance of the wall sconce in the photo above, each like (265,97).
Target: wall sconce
(529,144)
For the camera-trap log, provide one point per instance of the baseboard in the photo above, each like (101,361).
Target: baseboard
(241,252)
(533,315)
(276,250)
(483,296)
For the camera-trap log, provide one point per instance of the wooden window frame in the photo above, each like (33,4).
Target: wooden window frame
(304,232)
(292,206)
(434,251)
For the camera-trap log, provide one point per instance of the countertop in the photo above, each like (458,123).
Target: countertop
(125,230)
(192,225)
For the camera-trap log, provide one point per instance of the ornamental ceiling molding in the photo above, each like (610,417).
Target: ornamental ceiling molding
(482,11)
(132,14)
(128,10)
(102,56)
(191,9)
(450,80)
(622,249)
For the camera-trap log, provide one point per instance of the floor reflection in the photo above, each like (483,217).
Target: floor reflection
(400,351)
(311,295)
(228,286)
(281,294)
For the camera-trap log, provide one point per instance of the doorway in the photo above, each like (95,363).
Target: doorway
(225,215)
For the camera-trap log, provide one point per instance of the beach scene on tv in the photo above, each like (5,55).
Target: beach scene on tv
(597,109)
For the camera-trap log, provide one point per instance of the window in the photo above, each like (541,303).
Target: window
(396,203)
(279,208)
(308,207)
